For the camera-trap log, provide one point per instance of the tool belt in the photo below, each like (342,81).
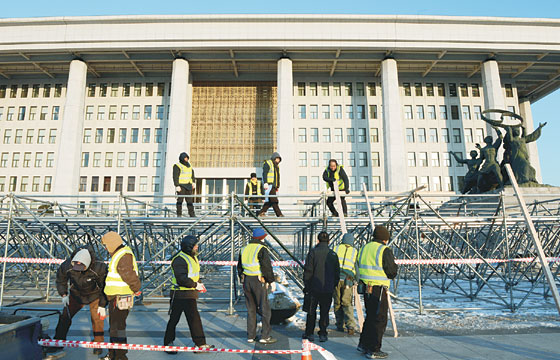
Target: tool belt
(124,302)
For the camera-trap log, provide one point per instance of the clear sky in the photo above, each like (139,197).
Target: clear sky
(543,110)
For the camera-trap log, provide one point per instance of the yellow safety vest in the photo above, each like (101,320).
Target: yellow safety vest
(370,265)
(337,178)
(250,260)
(259,193)
(346,257)
(114,284)
(270,174)
(193,273)
(185,177)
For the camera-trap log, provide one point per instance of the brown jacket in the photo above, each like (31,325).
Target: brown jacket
(127,273)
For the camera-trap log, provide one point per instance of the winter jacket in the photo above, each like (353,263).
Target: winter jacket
(389,265)
(127,273)
(322,270)
(85,286)
(181,270)
(328,176)
(264,262)
(177,172)
(251,189)
(266,168)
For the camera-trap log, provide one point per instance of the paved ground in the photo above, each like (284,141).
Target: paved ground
(147,324)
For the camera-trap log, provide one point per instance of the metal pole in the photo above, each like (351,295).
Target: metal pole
(508,264)
(420,305)
(535,237)
(49,270)
(232,234)
(368,207)
(6,248)
(119,217)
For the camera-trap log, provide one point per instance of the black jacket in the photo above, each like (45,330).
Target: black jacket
(328,176)
(389,265)
(266,168)
(264,261)
(85,286)
(177,172)
(322,270)
(181,270)
(251,189)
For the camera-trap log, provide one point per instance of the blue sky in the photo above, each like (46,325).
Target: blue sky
(543,110)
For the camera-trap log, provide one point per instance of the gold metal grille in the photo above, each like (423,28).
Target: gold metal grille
(233,123)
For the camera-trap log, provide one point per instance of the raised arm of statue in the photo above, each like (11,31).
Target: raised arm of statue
(535,134)
(498,141)
(458,159)
(494,123)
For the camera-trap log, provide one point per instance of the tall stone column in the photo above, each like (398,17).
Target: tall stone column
(285,128)
(493,94)
(527,115)
(66,179)
(180,120)
(393,134)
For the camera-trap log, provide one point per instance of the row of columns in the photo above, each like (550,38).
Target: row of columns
(180,120)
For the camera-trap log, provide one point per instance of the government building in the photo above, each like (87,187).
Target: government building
(103,105)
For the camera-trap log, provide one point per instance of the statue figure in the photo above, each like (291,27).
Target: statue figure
(489,176)
(471,178)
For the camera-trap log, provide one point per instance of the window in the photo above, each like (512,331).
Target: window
(85,159)
(13,183)
(477,112)
(466,112)
(15,160)
(313,89)
(448,182)
(135,112)
(95,183)
(423,159)
(338,156)
(301,112)
(302,135)
(130,183)
(364,180)
(30,136)
(314,183)
(144,159)
(120,159)
(326,158)
(315,159)
(26,159)
(464,89)
(147,112)
(301,88)
(126,90)
(32,112)
(352,159)
(91,90)
(50,160)
(436,183)
(83,184)
(454,112)
(362,135)
(362,157)
(137,89)
(475,90)
(134,135)
(374,135)
(348,89)
(479,135)
(349,111)
(313,111)
(420,112)
(429,89)
(108,159)
(2,183)
(336,89)
(110,136)
(302,159)
(41,136)
(155,183)
(303,183)
(424,181)
(325,89)
(103,90)
(373,111)
(87,136)
(326,111)
(314,135)
(411,159)
(4,160)
(408,112)
(98,136)
(160,89)
(350,135)
(38,159)
(376,183)
(453,90)
(418,89)
(55,113)
(10,114)
(338,137)
(352,181)
(158,135)
(112,112)
(327,135)
(35,90)
(468,135)
(409,135)
(338,111)
(159,112)
(146,135)
(156,159)
(406,88)
(23,183)
(372,91)
(457,136)
(433,135)
(44,113)
(375,161)
(361,111)
(19,136)
(118,183)
(7,136)
(35,184)
(509,90)
(21,113)
(441,89)
(445,136)
(132,159)
(421,135)
(435,159)
(89,112)
(446,159)
(360,89)
(149,89)
(431,112)
(2,91)
(96,159)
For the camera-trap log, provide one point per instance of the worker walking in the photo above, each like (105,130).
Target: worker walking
(376,265)
(255,271)
(184,293)
(184,181)
(334,175)
(254,190)
(271,178)
(343,308)
(87,279)
(121,285)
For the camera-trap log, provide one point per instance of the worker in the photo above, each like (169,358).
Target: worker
(320,276)
(184,292)
(254,190)
(376,265)
(334,175)
(343,308)
(87,280)
(255,272)
(121,285)
(271,178)
(184,181)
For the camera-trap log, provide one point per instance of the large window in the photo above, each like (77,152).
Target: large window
(85,159)
(302,135)
(303,159)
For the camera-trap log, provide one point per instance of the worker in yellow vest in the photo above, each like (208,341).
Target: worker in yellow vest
(254,190)
(121,285)
(343,308)
(255,271)
(376,266)
(184,181)
(185,286)
(271,178)
(334,175)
